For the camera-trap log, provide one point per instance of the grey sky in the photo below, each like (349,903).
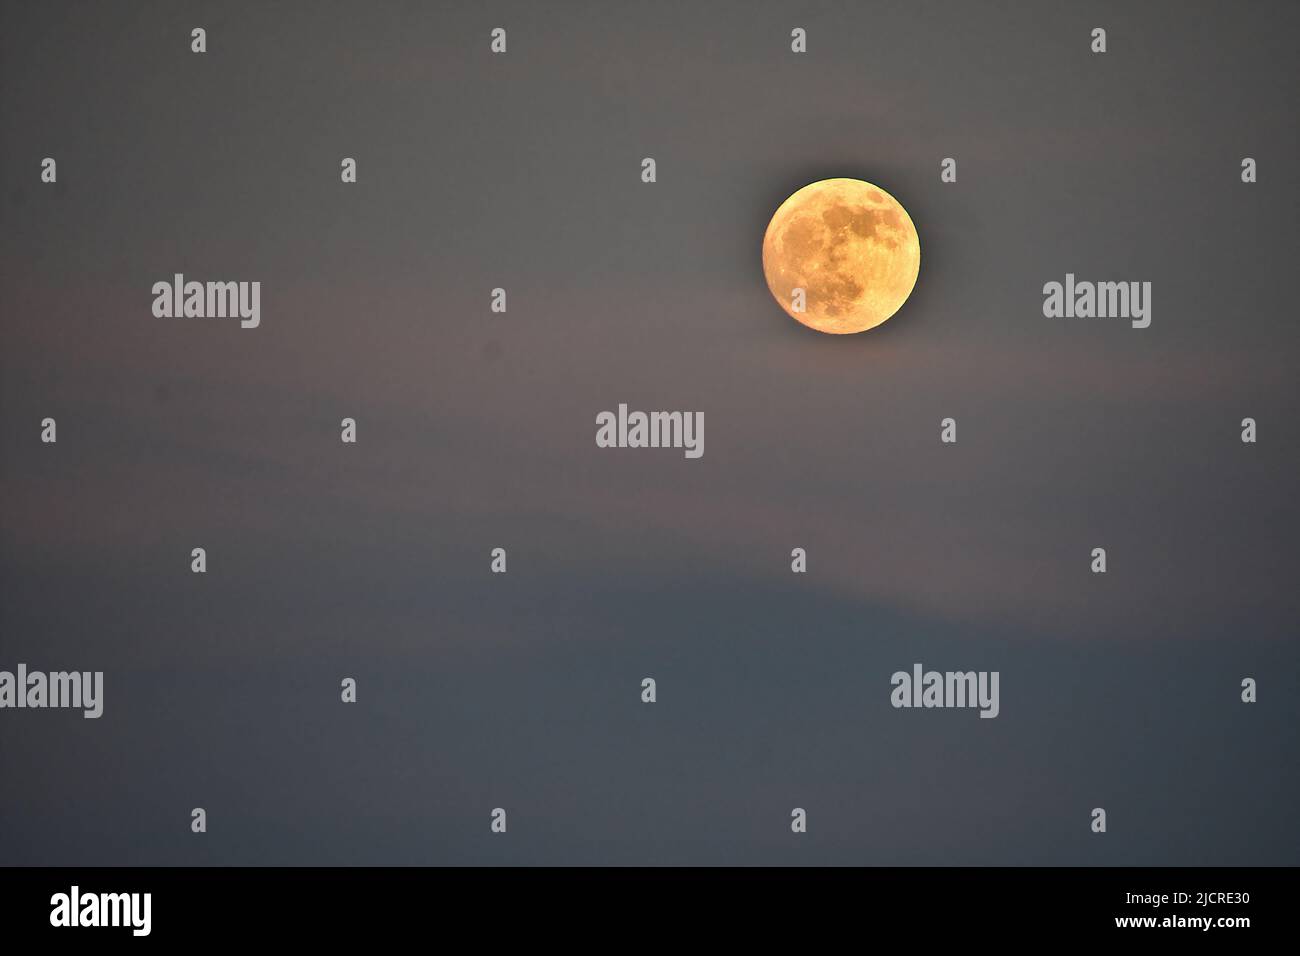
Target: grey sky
(477,430)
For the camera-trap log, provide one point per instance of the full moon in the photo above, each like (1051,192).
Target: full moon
(850,247)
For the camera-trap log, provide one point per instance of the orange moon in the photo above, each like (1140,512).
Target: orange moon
(850,246)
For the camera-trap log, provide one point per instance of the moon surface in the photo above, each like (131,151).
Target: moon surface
(850,246)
